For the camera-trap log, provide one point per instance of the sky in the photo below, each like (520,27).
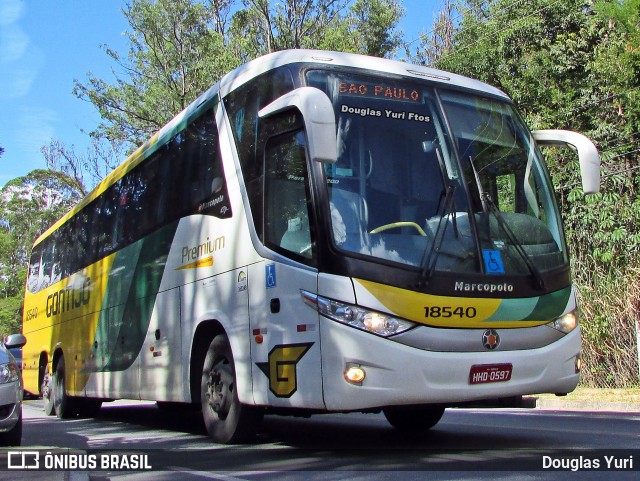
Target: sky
(45,45)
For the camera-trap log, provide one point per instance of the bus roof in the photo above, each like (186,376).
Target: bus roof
(251,69)
(246,72)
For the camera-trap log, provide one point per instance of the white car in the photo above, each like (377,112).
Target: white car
(10,393)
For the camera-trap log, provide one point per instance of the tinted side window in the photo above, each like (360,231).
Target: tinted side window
(198,172)
(34,269)
(183,177)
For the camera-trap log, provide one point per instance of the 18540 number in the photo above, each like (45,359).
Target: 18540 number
(448,311)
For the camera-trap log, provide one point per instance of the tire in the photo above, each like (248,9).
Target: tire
(13,437)
(47,396)
(62,402)
(413,419)
(225,418)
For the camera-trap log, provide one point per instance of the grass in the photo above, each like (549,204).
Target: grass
(599,395)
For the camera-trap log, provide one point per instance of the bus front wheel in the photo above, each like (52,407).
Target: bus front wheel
(413,419)
(226,419)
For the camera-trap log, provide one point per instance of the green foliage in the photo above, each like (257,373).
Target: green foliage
(368,28)
(609,308)
(175,54)
(179,48)
(28,206)
(10,315)
(374,27)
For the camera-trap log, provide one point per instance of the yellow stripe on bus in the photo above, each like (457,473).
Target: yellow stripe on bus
(441,311)
(66,315)
(206,262)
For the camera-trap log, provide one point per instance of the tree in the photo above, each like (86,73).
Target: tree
(294,23)
(86,169)
(439,40)
(179,48)
(375,25)
(366,27)
(176,52)
(28,206)
(10,315)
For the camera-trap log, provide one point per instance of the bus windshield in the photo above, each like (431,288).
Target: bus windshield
(437,179)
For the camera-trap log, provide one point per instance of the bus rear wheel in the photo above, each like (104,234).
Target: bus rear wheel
(226,419)
(47,395)
(63,404)
(413,419)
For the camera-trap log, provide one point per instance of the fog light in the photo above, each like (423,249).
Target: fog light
(354,374)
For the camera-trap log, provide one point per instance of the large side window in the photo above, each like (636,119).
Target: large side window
(34,269)
(287,201)
(184,176)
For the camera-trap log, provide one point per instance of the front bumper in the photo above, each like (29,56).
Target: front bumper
(10,405)
(398,374)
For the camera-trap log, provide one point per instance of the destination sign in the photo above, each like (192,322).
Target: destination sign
(380,90)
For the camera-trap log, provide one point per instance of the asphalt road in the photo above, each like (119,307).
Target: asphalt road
(467,444)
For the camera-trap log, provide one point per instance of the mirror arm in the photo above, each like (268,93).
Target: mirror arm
(587,154)
(319,120)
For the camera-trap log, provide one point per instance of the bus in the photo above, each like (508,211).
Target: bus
(317,232)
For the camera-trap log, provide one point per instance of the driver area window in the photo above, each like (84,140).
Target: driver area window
(287,203)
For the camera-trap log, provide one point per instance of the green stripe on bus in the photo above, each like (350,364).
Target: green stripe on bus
(135,275)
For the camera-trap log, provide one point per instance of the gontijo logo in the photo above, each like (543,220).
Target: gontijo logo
(69,298)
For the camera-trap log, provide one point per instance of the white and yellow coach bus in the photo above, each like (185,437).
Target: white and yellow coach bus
(318,232)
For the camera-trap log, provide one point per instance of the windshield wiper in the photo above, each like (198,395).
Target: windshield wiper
(489,205)
(429,260)
(488,201)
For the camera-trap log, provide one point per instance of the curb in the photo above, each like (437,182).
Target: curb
(559,404)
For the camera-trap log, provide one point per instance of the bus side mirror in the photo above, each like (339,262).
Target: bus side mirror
(319,120)
(587,154)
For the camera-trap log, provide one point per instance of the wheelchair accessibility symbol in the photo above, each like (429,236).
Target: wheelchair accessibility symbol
(270,274)
(493,261)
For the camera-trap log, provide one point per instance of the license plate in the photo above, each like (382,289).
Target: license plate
(485,373)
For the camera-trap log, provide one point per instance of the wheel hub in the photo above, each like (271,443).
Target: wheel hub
(220,389)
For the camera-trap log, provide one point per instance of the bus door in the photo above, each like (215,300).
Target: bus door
(285,347)
(285,337)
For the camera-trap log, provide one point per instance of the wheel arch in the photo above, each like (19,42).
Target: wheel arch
(43,369)
(57,354)
(202,337)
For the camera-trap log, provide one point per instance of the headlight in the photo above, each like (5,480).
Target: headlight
(565,323)
(9,373)
(354,316)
